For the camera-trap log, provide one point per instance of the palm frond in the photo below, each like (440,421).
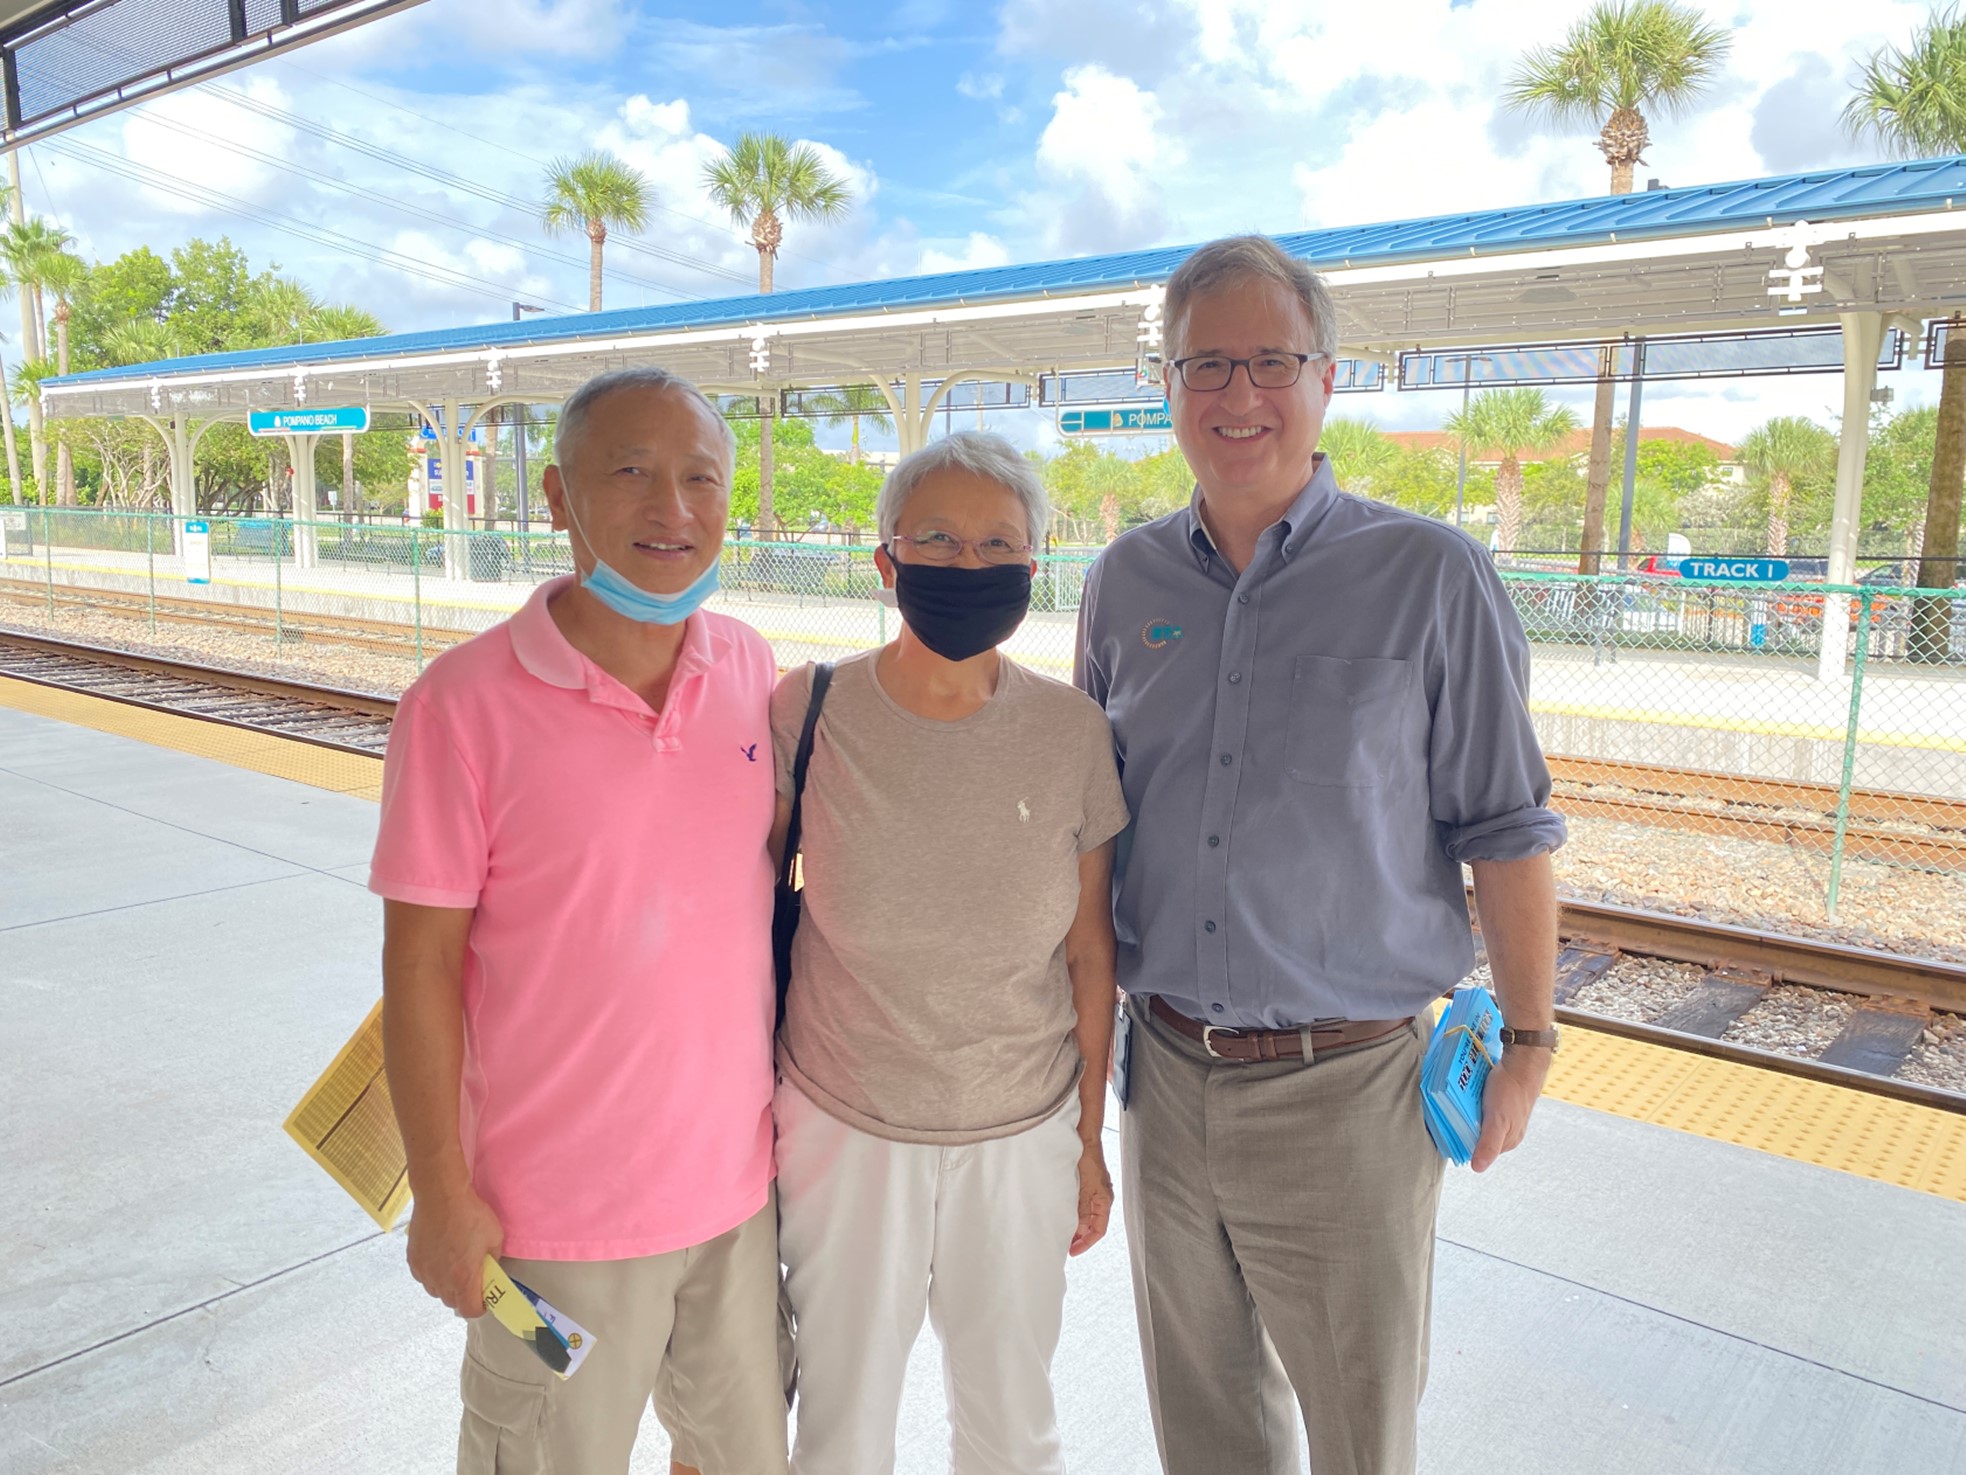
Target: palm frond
(1912,101)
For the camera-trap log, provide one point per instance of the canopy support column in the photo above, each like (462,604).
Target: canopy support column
(911,425)
(1863,339)
(300,450)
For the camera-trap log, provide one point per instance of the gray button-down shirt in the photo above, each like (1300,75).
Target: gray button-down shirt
(1309,750)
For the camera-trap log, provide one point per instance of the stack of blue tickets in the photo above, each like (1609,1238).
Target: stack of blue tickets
(1467,1041)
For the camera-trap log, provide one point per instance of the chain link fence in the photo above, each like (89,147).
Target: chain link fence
(1689,708)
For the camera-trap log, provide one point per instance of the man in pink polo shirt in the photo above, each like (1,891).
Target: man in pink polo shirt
(578,1002)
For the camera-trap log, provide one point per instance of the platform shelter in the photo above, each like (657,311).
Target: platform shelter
(1848,268)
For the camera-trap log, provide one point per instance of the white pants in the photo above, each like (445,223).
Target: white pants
(873,1233)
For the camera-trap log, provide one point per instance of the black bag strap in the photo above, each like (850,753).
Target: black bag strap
(822,677)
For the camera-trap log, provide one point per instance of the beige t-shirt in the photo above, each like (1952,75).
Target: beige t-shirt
(929,999)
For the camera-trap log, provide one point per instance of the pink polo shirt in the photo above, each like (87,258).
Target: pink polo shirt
(618,999)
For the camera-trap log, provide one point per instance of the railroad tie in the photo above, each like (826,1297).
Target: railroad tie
(1720,999)
(1877,1039)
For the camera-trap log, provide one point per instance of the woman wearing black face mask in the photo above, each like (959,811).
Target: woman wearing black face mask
(943,1057)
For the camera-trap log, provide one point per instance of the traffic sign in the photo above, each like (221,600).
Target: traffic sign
(1742,570)
(308,422)
(1118,420)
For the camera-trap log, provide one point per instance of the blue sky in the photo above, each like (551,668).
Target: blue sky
(971,134)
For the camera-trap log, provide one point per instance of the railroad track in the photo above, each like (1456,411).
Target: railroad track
(1896,994)
(1926,833)
(284,626)
(352,721)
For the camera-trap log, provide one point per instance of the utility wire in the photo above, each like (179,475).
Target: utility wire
(449,222)
(506,148)
(172,184)
(378,152)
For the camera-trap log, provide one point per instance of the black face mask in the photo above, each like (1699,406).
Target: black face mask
(962,612)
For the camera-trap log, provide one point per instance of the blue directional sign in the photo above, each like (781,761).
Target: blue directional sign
(308,422)
(1739,570)
(1120,420)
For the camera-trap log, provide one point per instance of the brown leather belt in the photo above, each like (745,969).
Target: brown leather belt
(1249,1046)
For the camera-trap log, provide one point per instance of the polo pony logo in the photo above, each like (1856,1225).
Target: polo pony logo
(1159,632)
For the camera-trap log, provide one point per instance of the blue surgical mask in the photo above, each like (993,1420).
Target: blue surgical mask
(633,602)
(636,603)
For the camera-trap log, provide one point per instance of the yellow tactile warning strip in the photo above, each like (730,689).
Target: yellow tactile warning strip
(1834,1127)
(304,763)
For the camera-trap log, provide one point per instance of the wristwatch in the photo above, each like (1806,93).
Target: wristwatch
(1542,1039)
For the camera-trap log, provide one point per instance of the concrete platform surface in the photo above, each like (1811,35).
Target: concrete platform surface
(183,946)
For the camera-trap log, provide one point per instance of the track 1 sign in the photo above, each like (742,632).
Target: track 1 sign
(1121,420)
(1740,570)
(308,422)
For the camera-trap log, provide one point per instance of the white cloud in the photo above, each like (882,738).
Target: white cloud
(985,88)
(980,250)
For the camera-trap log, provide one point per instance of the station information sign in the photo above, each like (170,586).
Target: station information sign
(197,552)
(1146,419)
(308,422)
(1740,570)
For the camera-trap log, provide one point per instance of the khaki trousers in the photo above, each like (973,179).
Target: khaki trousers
(697,1330)
(1280,1219)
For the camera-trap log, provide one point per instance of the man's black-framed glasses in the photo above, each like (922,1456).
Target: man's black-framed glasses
(1211,371)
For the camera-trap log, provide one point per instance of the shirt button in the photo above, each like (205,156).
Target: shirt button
(1208,926)
(1226,760)
(1213,841)
(1242,599)
(1216,1007)
(1235,678)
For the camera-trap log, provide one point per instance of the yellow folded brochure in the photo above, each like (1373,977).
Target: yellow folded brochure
(560,1341)
(346,1122)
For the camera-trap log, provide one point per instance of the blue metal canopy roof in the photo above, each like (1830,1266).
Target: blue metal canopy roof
(1881,189)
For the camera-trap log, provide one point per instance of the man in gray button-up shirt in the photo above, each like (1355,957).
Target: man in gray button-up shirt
(1319,703)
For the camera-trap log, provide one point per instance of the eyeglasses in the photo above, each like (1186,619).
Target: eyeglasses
(940,547)
(1208,372)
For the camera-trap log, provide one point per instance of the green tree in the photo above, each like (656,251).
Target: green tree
(1509,423)
(1913,103)
(595,193)
(1898,473)
(764,180)
(282,311)
(211,298)
(136,285)
(1358,452)
(812,482)
(1423,481)
(1784,453)
(1621,59)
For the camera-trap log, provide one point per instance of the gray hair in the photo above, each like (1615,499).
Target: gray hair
(573,414)
(1235,259)
(979,453)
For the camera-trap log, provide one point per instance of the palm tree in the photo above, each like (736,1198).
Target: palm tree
(764,180)
(1913,102)
(1784,452)
(1507,423)
(1357,450)
(25,247)
(63,275)
(284,310)
(140,340)
(592,193)
(1620,59)
(853,403)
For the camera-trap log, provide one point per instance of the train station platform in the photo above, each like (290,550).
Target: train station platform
(185,940)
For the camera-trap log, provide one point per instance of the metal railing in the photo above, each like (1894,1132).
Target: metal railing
(1697,707)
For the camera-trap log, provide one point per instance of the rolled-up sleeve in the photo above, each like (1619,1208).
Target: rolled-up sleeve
(1489,786)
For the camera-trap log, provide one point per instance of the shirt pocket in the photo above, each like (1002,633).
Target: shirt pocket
(1348,721)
